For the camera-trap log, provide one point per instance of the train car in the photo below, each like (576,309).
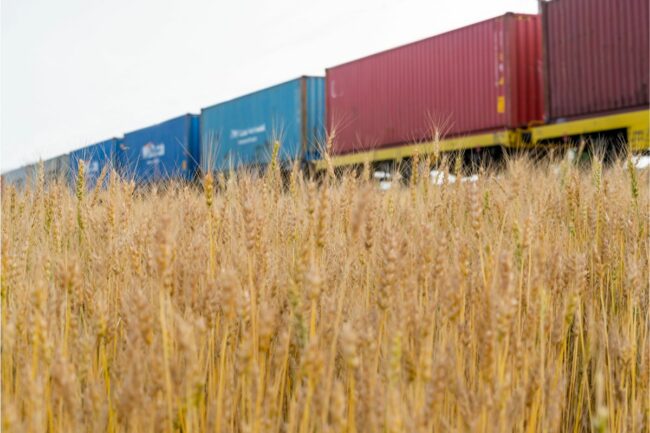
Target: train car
(596,56)
(475,84)
(242,132)
(596,63)
(577,70)
(95,158)
(166,151)
(56,168)
(19,177)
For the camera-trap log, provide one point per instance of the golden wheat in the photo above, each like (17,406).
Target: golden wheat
(515,303)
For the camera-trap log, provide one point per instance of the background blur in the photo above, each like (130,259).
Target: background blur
(74,72)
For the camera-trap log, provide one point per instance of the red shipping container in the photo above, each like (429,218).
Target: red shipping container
(479,78)
(596,56)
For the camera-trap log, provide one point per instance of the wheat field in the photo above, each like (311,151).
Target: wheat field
(514,303)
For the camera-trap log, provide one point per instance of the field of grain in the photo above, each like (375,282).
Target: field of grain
(515,303)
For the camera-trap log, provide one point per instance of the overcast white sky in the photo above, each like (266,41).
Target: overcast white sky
(74,72)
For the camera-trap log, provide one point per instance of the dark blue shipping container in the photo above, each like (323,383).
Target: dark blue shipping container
(168,150)
(241,132)
(95,158)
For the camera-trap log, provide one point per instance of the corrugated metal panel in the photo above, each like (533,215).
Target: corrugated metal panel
(168,150)
(241,132)
(315,114)
(18,177)
(525,62)
(465,81)
(596,56)
(56,168)
(95,158)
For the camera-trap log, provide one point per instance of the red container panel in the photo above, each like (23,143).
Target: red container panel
(596,56)
(479,78)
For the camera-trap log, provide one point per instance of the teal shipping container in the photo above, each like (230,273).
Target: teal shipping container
(242,132)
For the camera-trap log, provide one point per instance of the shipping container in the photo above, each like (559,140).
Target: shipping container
(241,132)
(56,168)
(168,150)
(479,78)
(595,56)
(95,157)
(19,177)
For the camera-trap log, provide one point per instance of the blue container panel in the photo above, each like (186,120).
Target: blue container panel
(315,117)
(169,150)
(241,132)
(95,158)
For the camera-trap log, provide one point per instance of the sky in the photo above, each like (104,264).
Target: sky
(76,72)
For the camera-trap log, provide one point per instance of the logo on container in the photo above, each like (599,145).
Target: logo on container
(153,150)
(92,167)
(246,136)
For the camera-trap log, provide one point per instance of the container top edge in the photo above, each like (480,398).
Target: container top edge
(160,123)
(88,146)
(245,95)
(507,14)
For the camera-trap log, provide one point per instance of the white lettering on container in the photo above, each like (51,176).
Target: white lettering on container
(153,150)
(243,136)
(93,166)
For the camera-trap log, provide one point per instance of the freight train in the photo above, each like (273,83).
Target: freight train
(578,70)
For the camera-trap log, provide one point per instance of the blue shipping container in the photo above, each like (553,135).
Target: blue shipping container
(95,158)
(168,150)
(241,132)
